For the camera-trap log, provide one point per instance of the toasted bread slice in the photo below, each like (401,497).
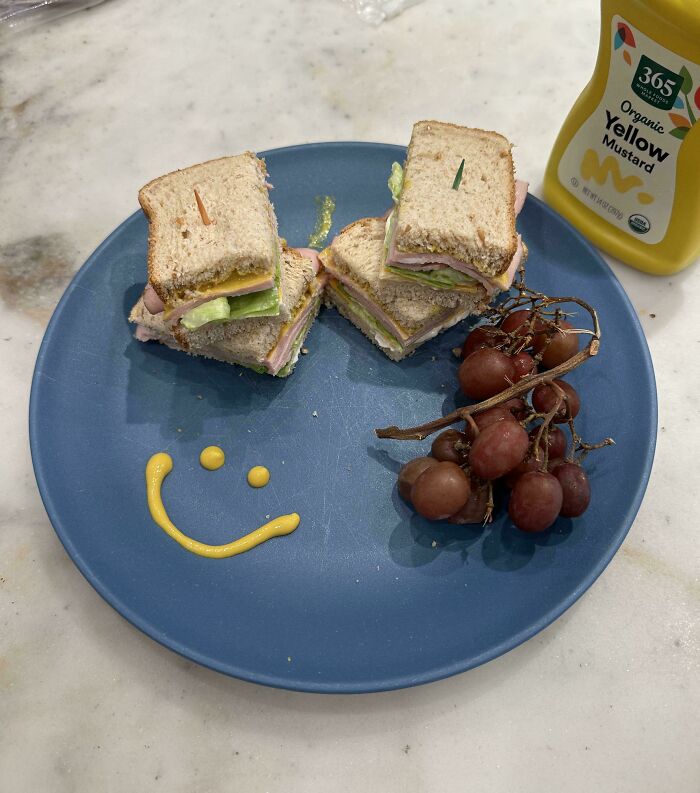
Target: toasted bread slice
(187,254)
(475,222)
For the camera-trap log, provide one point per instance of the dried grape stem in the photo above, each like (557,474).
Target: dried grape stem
(546,425)
(470,421)
(585,448)
(525,295)
(525,385)
(488,513)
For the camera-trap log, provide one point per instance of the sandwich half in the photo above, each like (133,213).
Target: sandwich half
(453,223)
(398,316)
(268,345)
(213,249)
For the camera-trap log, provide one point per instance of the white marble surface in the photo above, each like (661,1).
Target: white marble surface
(607,698)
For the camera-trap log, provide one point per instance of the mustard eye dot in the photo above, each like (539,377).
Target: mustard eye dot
(258,476)
(212,458)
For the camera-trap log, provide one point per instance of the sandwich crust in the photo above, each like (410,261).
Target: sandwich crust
(474,223)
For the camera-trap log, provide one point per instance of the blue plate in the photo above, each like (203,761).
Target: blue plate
(365,595)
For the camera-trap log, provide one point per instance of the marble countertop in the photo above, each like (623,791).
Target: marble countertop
(91,107)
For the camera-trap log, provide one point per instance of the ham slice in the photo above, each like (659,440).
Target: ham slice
(142,333)
(427,331)
(367,303)
(520,195)
(278,356)
(152,301)
(428,261)
(358,294)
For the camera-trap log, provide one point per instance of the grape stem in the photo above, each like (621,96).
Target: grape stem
(561,396)
(488,512)
(536,300)
(470,421)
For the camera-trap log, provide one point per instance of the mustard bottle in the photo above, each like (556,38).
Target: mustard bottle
(625,168)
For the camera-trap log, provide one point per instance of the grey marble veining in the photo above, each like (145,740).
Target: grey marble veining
(92,107)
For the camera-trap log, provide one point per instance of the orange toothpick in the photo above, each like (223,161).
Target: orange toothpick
(202,211)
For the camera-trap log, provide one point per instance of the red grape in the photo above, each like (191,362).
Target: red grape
(575,487)
(544,398)
(488,417)
(440,491)
(524,365)
(474,510)
(558,346)
(518,323)
(482,336)
(535,501)
(498,449)
(410,472)
(443,447)
(485,372)
(555,443)
(528,464)
(517,406)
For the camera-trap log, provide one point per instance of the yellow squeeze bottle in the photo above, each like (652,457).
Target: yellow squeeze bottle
(625,168)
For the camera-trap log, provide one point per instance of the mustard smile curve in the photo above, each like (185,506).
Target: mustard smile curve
(157,468)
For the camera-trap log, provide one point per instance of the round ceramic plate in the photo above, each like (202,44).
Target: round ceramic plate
(365,595)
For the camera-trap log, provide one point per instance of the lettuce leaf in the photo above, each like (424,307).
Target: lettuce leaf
(265,303)
(395,181)
(390,340)
(443,278)
(256,304)
(216,310)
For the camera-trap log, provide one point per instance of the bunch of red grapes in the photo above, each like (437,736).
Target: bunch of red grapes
(519,443)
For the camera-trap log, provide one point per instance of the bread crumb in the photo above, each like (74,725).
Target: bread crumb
(179,429)
(481,234)
(289,659)
(315,414)
(433,358)
(267,517)
(304,351)
(199,396)
(433,544)
(456,352)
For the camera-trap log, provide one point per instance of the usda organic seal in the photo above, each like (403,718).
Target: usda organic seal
(639,223)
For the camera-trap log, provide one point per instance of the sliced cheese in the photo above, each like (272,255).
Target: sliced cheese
(240,284)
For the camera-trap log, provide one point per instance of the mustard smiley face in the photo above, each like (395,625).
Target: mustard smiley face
(211,458)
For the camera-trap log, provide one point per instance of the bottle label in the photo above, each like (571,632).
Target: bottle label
(621,163)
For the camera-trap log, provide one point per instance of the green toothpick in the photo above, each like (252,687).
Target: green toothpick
(458,176)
